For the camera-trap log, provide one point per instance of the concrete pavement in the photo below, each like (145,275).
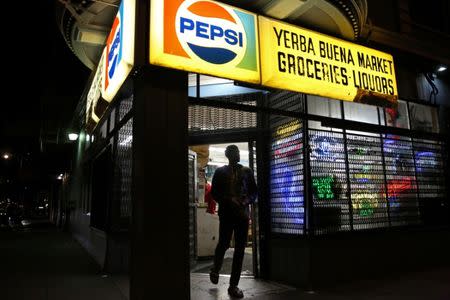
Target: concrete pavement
(46,264)
(49,265)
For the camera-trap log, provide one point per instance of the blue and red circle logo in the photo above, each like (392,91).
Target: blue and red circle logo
(114,47)
(211,32)
(205,31)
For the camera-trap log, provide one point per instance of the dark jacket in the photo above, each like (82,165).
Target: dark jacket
(234,188)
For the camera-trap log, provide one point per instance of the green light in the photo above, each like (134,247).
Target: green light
(366,209)
(323,187)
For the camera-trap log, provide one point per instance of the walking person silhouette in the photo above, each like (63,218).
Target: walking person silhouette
(234,188)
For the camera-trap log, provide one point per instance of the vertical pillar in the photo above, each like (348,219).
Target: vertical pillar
(159,262)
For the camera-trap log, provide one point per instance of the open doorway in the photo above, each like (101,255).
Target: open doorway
(204,216)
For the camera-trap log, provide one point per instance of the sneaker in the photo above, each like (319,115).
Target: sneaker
(214,277)
(235,292)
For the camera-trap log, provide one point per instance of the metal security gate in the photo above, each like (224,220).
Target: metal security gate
(192,175)
(331,178)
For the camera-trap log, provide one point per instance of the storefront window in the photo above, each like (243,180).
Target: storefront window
(325,107)
(360,112)
(329,182)
(367,181)
(424,118)
(214,86)
(429,168)
(397,117)
(286,176)
(401,180)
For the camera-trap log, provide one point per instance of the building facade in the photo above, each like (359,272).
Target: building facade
(346,190)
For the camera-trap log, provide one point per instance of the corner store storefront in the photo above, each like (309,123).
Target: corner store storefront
(338,180)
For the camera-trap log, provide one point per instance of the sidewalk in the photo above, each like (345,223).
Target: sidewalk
(50,265)
(425,285)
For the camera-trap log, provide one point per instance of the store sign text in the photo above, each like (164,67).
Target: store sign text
(95,92)
(301,60)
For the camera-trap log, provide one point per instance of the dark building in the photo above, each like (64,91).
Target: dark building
(346,190)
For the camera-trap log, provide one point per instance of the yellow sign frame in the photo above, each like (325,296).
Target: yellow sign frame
(301,60)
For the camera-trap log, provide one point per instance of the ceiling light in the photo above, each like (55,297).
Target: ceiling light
(442,68)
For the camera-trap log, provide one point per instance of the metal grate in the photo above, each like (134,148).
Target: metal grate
(388,175)
(125,106)
(286,164)
(287,101)
(401,180)
(431,180)
(367,186)
(430,168)
(123,168)
(247,99)
(192,165)
(286,176)
(329,182)
(207,118)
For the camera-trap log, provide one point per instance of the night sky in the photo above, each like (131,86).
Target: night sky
(43,81)
(48,77)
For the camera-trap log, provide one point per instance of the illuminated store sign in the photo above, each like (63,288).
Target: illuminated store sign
(324,147)
(94,93)
(425,160)
(205,37)
(323,187)
(397,187)
(286,183)
(212,38)
(286,130)
(300,60)
(365,203)
(119,58)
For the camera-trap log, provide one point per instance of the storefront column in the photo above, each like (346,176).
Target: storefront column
(159,262)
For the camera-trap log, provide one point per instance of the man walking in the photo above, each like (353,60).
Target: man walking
(234,188)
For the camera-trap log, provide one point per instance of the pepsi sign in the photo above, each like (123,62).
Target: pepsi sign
(119,57)
(205,37)
(113,49)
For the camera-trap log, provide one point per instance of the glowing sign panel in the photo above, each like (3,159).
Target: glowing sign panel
(286,183)
(297,59)
(365,203)
(119,57)
(323,187)
(205,37)
(94,92)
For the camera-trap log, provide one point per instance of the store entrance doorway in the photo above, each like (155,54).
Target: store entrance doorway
(204,227)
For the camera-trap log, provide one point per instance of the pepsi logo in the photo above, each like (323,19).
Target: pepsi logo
(211,32)
(114,48)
